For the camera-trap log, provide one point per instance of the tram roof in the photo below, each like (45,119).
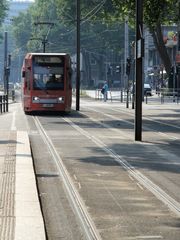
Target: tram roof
(47,54)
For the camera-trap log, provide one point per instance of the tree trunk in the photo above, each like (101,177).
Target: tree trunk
(87,68)
(161,48)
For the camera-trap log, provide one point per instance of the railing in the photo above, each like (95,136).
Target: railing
(113,94)
(171,96)
(150,97)
(3,103)
(166,95)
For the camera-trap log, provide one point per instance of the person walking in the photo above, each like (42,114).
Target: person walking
(105,90)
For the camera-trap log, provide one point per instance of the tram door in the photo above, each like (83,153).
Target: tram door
(27,75)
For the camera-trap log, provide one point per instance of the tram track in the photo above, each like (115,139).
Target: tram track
(104,147)
(89,228)
(130,122)
(132,171)
(82,127)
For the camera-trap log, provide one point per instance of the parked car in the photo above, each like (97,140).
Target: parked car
(147,89)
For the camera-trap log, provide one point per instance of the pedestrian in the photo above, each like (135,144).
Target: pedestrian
(105,90)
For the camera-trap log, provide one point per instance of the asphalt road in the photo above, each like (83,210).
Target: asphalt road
(130,189)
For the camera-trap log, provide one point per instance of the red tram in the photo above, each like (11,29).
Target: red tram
(46,82)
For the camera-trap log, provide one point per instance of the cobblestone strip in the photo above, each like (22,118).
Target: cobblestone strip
(7,218)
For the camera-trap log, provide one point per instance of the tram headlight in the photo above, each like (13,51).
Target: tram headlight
(61,99)
(35,99)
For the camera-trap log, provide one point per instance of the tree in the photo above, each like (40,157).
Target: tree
(97,18)
(156,14)
(3,11)
(22,27)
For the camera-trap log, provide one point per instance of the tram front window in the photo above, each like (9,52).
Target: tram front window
(46,78)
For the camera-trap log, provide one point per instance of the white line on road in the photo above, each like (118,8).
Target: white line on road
(147,183)
(13,127)
(147,237)
(139,185)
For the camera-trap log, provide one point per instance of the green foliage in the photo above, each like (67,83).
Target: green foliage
(155,11)
(22,26)
(101,23)
(3,9)
(98,29)
(3,12)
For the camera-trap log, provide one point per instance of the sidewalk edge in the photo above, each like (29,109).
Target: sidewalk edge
(29,222)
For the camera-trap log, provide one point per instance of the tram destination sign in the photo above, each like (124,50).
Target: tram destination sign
(48,59)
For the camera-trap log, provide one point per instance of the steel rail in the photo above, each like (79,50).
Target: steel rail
(132,114)
(141,178)
(131,123)
(88,225)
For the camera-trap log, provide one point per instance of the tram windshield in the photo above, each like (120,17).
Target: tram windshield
(48,75)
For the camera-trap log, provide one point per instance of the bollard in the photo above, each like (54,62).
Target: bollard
(121,95)
(162,98)
(6,100)
(1,104)
(13,95)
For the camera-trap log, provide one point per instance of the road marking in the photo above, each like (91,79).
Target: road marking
(145,237)
(131,177)
(165,135)
(139,185)
(13,127)
(78,204)
(145,128)
(79,185)
(142,179)
(149,237)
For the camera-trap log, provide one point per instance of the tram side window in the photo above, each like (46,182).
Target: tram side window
(27,79)
(70,78)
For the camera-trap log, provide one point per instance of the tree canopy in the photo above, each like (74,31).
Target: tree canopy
(156,13)
(101,24)
(3,10)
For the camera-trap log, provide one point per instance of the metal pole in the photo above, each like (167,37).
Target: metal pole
(126,51)
(133,88)
(127,92)
(139,66)
(1,102)
(146,53)
(178,52)
(174,80)
(78,54)
(5,62)
(44,46)
(44,41)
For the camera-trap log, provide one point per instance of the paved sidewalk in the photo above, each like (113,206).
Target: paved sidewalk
(20,213)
